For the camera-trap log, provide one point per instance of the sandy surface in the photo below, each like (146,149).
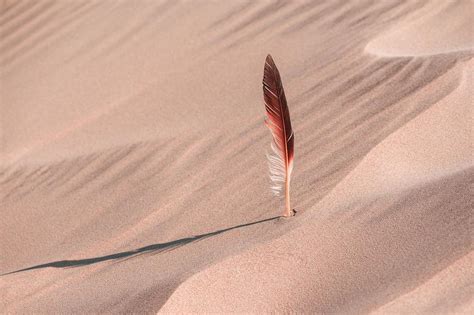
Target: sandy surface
(133,175)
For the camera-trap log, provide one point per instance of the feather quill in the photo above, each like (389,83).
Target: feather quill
(280,159)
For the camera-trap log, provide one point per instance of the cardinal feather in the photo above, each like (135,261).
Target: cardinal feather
(280,159)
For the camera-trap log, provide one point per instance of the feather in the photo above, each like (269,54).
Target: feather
(280,159)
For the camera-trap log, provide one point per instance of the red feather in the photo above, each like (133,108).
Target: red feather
(279,123)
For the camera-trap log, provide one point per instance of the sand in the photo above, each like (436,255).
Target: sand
(133,175)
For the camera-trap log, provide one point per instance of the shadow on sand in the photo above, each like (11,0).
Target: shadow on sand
(154,248)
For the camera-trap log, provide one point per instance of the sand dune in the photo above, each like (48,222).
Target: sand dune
(446,28)
(362,258)
(133,175)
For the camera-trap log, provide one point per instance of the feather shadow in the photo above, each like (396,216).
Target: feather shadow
(153,248)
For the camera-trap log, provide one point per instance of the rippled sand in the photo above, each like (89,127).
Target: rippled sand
(133,175)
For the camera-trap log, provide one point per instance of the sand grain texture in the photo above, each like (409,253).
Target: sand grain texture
(133,174)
